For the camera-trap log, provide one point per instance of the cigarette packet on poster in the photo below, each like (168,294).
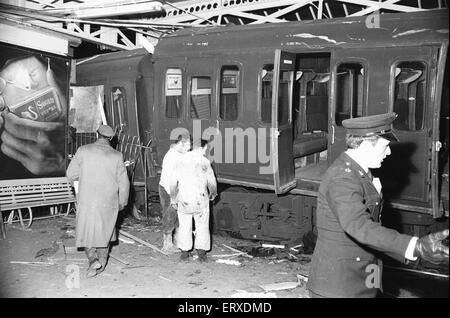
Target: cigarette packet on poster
(41,106)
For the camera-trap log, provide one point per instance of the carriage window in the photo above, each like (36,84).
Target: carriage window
(266,94)
(173,92)
(285,97)
(119,107)
(409,95)
(229,93)
(349,92)
(200,107)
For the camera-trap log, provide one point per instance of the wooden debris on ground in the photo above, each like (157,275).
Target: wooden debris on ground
(227,255)
(280,286)
(124,239)
(113,256)
(49,251)
(302,280)
(273,246)
(246,294)
(32,263)
(162,277)
(229,262)
(237,251)
(137,239)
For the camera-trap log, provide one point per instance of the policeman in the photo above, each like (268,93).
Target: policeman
(349,203)
(103,192)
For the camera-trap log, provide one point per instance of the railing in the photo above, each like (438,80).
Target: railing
(137,156)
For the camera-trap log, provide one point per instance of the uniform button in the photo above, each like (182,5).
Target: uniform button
(376,203)
(358,259)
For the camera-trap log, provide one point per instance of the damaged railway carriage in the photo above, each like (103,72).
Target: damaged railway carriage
(272,99)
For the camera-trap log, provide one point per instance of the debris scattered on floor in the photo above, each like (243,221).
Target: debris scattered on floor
(47,252)
(162,277)
(137,239)
(279,286)
(227,255)
(241,256)
(125,239)
(302,280)
(32,263)
(246,294)
(273,246)
(238,251)
(229,262)
(117,258)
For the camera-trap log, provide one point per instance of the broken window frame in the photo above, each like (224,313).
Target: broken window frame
(173,89)
(200,91)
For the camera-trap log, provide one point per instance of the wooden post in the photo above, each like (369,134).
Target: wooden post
(2,227)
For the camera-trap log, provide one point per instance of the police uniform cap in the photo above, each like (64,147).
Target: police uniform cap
(375,125)
(105,131)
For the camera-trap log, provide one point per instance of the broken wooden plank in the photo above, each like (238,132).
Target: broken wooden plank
(273,246)
(118,259)
(125,239)
(162,277)
(279,286)
(246,294)
(137,239)
(31,263)
(238,251)
(293,256)
(227,255)
(229,262)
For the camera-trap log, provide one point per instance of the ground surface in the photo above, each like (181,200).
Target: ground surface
(150,273)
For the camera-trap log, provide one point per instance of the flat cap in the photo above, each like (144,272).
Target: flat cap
(375,125)
(105,131)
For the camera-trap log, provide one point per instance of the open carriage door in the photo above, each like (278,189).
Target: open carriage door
(439,102)
(281,132)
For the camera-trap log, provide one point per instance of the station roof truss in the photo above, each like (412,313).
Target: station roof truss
(130,24)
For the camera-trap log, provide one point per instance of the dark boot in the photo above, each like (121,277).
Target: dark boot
(184,256)
(202,256)
(103,253)
(94,264)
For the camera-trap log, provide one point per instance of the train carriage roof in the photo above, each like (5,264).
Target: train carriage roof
(392,30)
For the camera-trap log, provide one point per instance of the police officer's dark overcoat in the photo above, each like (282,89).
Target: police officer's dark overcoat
(344,263)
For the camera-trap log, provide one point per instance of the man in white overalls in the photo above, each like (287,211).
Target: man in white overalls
(193,185)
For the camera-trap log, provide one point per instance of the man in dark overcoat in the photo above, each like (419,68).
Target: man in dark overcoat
(103,192)
(349,203)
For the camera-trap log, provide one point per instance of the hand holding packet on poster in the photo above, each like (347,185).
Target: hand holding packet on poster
(33,144)
(33,109)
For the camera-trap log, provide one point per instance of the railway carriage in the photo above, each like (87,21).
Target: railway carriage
(272,98)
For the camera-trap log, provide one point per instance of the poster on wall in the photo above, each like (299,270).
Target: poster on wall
(33,113)
(86,108)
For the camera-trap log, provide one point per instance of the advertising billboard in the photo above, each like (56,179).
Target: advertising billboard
(33,113)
